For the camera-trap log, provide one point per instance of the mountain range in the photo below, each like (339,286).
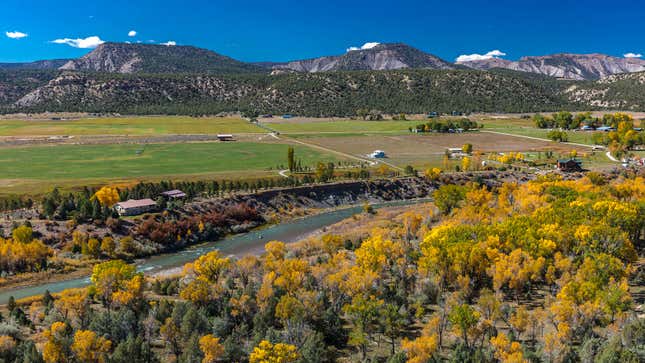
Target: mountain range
(565,66)
(42,64)
(379,57)
(140,79)
(151,58)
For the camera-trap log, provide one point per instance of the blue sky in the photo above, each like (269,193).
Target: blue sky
(279,30)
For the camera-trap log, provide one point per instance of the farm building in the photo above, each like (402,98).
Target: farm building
(569,165)
(225,137)
(133,207)
(174,194)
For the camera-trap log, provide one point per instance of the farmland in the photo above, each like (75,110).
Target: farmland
(341,127)
(129,149)
(526,127)
(133,126)
(40,167)
(428,150)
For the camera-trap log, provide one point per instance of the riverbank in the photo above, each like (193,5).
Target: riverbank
(273,206)
(238,245)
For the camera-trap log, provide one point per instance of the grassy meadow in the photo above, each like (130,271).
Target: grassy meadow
(35,168)
(133,126)
(343,127)
(41,167)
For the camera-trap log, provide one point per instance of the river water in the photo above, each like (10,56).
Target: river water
(236,245)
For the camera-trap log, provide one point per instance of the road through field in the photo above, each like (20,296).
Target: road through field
(608,154)
(371,162)
(340,153)
(536,138)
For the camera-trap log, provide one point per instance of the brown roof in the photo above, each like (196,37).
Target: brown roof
(135,203)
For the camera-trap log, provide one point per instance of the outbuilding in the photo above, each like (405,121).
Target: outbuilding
(174,194)
(225,137)
(133,207)
(569,165)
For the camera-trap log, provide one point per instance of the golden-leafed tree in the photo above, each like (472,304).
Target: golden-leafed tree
(211,348)
(90,348)
(266,352)
(107,196)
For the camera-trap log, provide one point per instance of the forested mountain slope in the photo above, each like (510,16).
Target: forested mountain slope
(315,94)
(319,94)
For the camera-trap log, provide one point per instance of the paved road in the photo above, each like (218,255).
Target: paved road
(611,157)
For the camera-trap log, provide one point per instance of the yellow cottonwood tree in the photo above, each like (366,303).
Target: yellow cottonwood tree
(107,196)
(90,348)
(421,349)
(266,352)
(507,351)
(56,348)
(211,347)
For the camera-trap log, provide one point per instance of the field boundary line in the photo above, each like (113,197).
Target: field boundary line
(536,138)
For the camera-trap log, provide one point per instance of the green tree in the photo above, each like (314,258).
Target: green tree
(448,197)
(463,318)
(564,119)
(22,234)
(394,323)
(291,159)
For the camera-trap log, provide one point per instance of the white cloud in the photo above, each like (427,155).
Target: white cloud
(632,55)
(16,35)
(132,33)
(368,45)
(169,43)
(89,42)
(473,57)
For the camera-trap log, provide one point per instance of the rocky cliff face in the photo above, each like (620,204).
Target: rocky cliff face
(107,58)
(379,57)
(566,66)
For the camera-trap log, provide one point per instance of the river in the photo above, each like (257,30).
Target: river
(237,245)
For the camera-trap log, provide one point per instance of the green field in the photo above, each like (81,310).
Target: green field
(37,168)
(344,127)
(133,126)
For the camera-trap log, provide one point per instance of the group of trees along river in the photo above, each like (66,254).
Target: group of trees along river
(520,273)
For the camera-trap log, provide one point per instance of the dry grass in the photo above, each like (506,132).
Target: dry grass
(428,150)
